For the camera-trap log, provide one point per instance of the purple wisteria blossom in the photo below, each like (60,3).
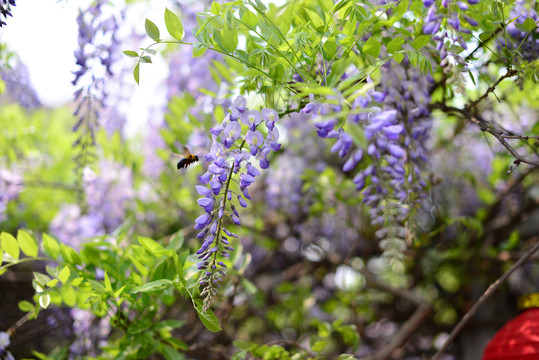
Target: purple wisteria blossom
(18,86)
(5,10)
(10,187)
(238,152)
(91,333)
(448,38)
(98,51)
(396,124)
(526,43)
(109,196)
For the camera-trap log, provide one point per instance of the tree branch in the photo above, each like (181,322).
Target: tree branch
(483,125)
(413,322)
(508,74)
(486,295)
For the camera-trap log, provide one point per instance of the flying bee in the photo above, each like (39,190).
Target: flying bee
(186,158)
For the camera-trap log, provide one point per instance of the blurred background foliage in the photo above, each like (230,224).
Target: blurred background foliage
(309,277)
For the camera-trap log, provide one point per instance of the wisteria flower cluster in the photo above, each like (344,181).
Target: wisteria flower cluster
(10,188)
(527,44)
(18,85)
(4,343)
(237,143)
(98,51)
(396,125)
(432,23)
(5,10)
(109,195)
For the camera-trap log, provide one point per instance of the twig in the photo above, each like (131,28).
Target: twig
(508,74)
(403,293)
(520,137)
(409,326)
(486,295)
(484,42)
(483,126)
(404,332)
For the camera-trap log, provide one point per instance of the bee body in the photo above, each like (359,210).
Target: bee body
(186,159)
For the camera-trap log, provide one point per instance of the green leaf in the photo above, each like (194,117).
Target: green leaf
(325,4)
(168,352)
(174,25)
(69,295)
(316,20)
(209,319)
(472,77)
(64,274)
(136,73)
(26,306)
(398,57)
(242,344)
(229,39)
(330,48)
(27,243)
(319,345)
(395,45)
(44,301)
(10,245)
(41,279)
(151,245)
(215,8)
(106,280)
(152,30)
(50,246)
(157,285)
(358,136)
(420,41)
(146,59)
(372,47)
(250,19)
(528,25)
(131,53)
(97,286)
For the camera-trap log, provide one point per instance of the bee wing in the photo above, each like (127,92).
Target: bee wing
(178,156)
(186,151)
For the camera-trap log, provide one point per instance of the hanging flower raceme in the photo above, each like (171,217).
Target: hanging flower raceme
(239,144)
(5,10)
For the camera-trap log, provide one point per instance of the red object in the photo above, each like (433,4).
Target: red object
(517,340)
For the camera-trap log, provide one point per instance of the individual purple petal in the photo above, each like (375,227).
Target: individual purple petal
(216,186)
(205,201)
(378,96)
(470,20)
(246,180)
(253,171)
(216,130)
(204,179)
(245,193)
(236,220)
(202,221)
(242,201)
(214,225)
(395,150)
(216,170)
(254,138)
(202,190)
(240,103)
(251,117)
(392,132)
(233,130)
(270,115)
(353,160)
